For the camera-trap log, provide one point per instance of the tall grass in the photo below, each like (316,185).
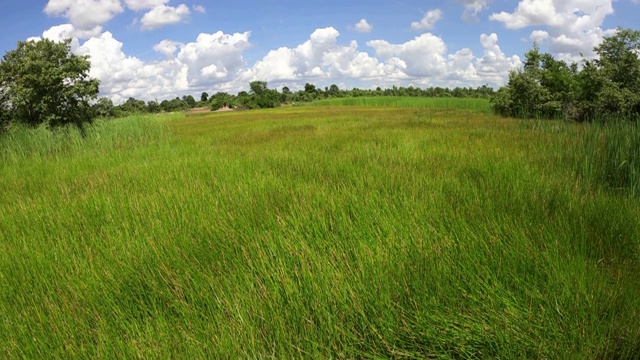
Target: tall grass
(316,232)
(612,155)
(21,142)
(481,105)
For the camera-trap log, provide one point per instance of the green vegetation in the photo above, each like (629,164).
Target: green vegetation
(607,88)
(476,104)
(42,82)
(319,231)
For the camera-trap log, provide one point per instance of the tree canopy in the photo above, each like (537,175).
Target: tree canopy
(42,82)
(604,88)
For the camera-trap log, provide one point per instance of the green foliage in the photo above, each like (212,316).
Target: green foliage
(173,105)
(104,108)
(544,88)
(222,99)
(44,83)
(606,88)
(204,97)
(190,101)
(261,97)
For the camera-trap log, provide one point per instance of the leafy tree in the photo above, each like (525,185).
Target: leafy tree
(261,96)
(190,101)
(222,99)
(619,62)
(545,87)
(133,106)
(44,83)
(204,97)
(258,87)
(104,108)
(607,87)
(153,107)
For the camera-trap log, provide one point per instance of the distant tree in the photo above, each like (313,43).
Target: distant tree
(133,106)
(153,107)
(104,108)
(258,87)
(44,83)
(190,101)
(204,97)
(286,90)
(261,96)
(309,88)
(221,99)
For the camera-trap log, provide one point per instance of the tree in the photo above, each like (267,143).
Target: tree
(258,87)
(44,83)
(191,102)
(153,107)
(104,108)
(204,97)
(133,106)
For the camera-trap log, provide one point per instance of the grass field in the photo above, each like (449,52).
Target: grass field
(478,105)
(316,231)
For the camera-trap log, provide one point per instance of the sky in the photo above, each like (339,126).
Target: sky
(160,49)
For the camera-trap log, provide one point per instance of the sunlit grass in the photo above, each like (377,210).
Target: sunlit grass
(476,104)
(315,232)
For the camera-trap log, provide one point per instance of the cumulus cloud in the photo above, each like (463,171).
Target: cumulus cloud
(87,16)
(571,26)
(214,58)
(162,15)
(428,21)
(363,26)
(168,47)
(494,64)
(472,8)
(423,56)
(216,62)
(137,5)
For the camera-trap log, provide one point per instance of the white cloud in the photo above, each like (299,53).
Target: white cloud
(494,65)
(428,21)
(423,56)
(214,57)
(321,58)
(168,47)
(87,16)
(137,5)
(199,8)
(363,26)
(572,26)
(162,15)
(215,62)
(472,8)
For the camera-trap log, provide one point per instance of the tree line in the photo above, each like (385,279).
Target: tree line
(43,82)
(605,88)
(260,96)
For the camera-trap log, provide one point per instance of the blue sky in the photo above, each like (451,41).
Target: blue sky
(157,49)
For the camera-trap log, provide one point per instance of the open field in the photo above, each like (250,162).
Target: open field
(479,105)
(315,231)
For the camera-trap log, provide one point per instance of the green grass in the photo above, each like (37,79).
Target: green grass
(314,232)
(479,105)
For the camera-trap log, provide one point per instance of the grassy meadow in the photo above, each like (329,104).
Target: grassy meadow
(326,231)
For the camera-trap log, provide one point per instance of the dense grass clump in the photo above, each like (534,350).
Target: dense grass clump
(612,155)
(317,232)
